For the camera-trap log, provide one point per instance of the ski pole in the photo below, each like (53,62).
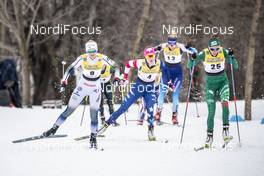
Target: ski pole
(85,101)
(235,98)
(196,105)
(63,64)
(187,101)
(122,92)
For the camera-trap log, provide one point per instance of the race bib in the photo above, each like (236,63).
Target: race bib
(172,56)
(214,64)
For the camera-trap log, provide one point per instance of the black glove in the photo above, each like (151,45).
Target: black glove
(171,85)
(230,52)
(116,81)
(194,55)
(62,86)
(158,48)
(188,45)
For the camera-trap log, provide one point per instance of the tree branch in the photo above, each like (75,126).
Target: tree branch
(8,48)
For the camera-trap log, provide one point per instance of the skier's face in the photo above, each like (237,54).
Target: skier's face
(214,50)
(151,60)
(92,54)
(172,46)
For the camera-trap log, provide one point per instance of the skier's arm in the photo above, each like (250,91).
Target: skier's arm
(129,64)
(184,49)
(111,63)
(70,70)
(160,47)
(113,68)
(195,59)
(230,58)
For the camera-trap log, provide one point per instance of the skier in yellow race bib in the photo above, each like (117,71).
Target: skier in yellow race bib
(214,59)
(92,65)
(173,75)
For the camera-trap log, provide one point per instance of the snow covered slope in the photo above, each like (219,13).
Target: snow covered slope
(127,150)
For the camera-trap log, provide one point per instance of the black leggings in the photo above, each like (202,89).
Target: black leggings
(107,92)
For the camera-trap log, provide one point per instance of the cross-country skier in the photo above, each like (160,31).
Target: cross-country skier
(93,64)
(214,59)
(148,69)
(172,77)
(107,88)
(141,103)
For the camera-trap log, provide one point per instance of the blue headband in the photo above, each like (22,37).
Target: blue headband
(172,41)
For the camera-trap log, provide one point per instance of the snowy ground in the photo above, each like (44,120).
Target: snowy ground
(127,150)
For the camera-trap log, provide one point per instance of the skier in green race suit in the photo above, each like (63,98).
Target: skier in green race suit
(217,85)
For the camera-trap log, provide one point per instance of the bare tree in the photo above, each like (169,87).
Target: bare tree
(141,25)
(13,16)
(250,60)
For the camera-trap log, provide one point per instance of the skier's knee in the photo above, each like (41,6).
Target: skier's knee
(93,114)
(69,110)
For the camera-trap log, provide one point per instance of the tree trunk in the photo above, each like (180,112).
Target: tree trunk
(250,60)
(1,39)
(141,25)
(26,70)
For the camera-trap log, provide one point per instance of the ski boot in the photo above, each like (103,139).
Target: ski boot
(102,119)
(157,116)
(151,135)
(103,128)
(226,137)
(140,122)
(51,131)
(93,142)
(225,133)
(174,119)
(209,140)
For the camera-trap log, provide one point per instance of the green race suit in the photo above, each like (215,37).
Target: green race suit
(217,84)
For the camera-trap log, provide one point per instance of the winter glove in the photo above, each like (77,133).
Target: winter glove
(158,48)
(63,85)
(116,81)
(230,52)
(188,45)
(194,56)
(171,86)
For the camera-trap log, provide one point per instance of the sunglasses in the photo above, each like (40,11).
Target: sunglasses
(214,49)
(92,51)
(150,56)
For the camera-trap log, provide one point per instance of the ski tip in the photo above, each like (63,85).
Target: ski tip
(14,142)
(199,148)
(38,138)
